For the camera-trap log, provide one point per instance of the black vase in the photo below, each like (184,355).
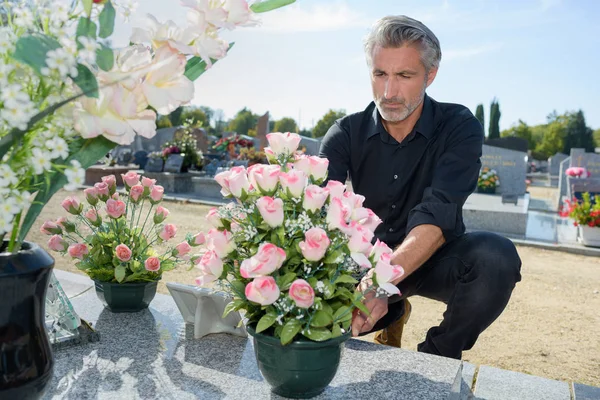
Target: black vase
(26,362)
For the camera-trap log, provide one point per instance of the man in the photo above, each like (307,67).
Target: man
(416,161)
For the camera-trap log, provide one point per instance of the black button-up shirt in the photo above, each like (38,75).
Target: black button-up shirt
(423,180)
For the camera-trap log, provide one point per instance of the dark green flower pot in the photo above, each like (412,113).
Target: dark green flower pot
(125,297)
(488,190)
(301,369)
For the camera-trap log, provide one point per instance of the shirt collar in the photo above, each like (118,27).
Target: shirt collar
(425,125)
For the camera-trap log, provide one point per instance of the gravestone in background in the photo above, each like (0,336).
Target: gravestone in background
(554,163)
(562,181)
(154,165)
(509,143)
(589,161)
(174,163)
(262,128)
(201,140)
(312,145)
(511,167)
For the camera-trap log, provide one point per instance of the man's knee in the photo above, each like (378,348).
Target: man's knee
(495,257)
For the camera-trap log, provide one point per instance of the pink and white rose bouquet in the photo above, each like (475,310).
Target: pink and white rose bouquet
(115,238)
(291,250)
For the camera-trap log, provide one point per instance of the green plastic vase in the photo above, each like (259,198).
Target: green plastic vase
(125,297)
(301,369)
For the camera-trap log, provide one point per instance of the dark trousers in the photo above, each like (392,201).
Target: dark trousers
(475,276)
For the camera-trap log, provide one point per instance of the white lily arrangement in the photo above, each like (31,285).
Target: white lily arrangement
(67,98)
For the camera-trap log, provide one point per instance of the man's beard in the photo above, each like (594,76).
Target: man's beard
(406,107)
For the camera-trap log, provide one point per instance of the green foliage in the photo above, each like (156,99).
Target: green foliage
(268,5)
(105,58)
(86,81)
(196,66)
(163,121)
(194,117)
(523,131)
(175,117)
(326,122)
(32,49)
(107,20)
(285,125)
(578,134)
(494,130)
(479,114)
(585,212)
(243,121)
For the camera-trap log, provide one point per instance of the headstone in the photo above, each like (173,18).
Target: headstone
(154,165)
(510,143)
(125,157)
(174,163)
(201,140)
(510,198)
(589,161)
(140,158)
(563,187)
(262,128)
(312,145)
(511,167)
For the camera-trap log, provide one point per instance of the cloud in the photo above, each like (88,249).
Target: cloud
(455,54)
(332,16)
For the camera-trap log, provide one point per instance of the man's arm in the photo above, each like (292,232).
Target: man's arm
(437,219)
(335,146)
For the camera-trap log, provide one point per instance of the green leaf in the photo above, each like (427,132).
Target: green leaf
(87,6)
(265,322)
(239,289)
(318,334)
(120,273)
(342,314)
(345,279)
(268,5)
(290,330)
(336,331)
(32,50)
(321,319)
(86,81)
(332,258)
(107,20)
(232,306)
(105,58)
(361,307)
(196,66)
(91,151)
(284,282)
(86,27)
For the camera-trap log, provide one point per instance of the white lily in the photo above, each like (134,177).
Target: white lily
(206,13)
(160,34)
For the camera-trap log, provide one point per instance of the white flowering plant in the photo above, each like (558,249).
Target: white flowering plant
(291,251)
(67,98)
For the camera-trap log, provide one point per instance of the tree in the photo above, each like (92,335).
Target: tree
(209,112)
(243,121)
(285,125)
(494,130)
(305,132)
(479,115)
(597,137)
(175,117)
(163,121)
(523,131)
(578,134)
(552,136)
(326,122)
(196,115)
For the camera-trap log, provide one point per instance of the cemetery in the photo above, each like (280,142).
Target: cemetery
(154,248)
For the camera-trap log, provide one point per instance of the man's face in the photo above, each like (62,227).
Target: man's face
(399,80)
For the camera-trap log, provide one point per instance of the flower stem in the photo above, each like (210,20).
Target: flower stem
(146,220)
(13,237)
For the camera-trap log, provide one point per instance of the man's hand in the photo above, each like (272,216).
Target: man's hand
(377,307)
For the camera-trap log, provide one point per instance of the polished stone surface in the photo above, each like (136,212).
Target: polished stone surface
(152,355)
(584,392)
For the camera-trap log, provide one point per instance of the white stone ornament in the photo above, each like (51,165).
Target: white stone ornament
(204,308)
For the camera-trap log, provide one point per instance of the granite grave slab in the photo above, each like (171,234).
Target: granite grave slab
(511,167)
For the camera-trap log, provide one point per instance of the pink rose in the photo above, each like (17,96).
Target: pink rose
(198,239)
(136,193)
(338,215)
(302,293)
(221,242)
(147,182)
(267,259)
(271,157)
(130,179)
(152,264)
(160,214)
(238,181)
(353,200)
(379,248)
(315,244)
(93,217)
(111,182)
(57,243)
(72,205)
(360,245)
(214,218)
(283,143)
(314,198)
(182,249)
(294,181)
(211,267)
(123,252)
(372,221)
(102,191)
(318,168)
(65,224)
(168,232)
(50,228)
(386,273)
(115,208)
(336,189)
(302,163)
(262,290)
(78,250)
(156,194)
(115,196)
(222,179)
(91,195)
(235,227)
(271,210)
(265,178)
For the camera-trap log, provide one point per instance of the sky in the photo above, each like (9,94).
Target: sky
(534,56)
